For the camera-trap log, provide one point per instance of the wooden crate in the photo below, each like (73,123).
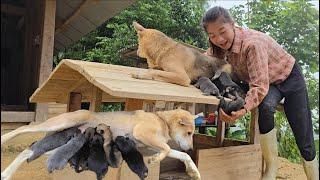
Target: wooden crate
(230,163)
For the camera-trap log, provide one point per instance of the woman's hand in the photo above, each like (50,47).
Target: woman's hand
(234,115)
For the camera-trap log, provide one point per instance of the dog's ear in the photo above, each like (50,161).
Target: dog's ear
(138,27)
(185,122)
(217,74)
(165,115)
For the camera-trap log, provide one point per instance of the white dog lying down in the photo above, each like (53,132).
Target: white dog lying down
(151,130)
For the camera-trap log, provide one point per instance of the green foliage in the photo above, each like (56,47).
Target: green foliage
(106,107)
(178,19)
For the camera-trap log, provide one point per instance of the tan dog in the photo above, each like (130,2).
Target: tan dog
(151,130)
(175,62)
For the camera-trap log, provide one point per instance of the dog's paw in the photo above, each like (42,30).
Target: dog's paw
(135,75)
(192,171)
(206,94)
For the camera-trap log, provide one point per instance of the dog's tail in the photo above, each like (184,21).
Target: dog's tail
(6,137)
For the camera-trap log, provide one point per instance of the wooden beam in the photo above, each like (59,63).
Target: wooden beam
(46,60)
(46,63)
(12,10)
(96,98)
(220,132)
(17,116)
(254,127)
(72,16)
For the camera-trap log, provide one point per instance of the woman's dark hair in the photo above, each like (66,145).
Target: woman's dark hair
(213,14)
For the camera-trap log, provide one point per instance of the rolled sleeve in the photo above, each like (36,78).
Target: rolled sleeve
(257,65)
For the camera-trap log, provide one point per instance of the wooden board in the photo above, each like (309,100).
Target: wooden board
(17,116)
(231,163)
(116,81)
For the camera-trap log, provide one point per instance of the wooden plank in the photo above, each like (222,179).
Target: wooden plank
(17,116)
(46,60)
(133,104)
(220,132)
(47,40)
(96,98)
(231,163)
(254,127)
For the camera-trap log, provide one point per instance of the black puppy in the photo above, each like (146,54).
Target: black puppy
(97,161)
(207,87)
(227,87)
(51,142)
(132,156)
(233,105)
(91,156)
(59,159)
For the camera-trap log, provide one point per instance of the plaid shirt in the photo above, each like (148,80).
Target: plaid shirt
(258,60)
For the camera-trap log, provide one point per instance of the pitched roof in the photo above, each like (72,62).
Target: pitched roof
(115,82)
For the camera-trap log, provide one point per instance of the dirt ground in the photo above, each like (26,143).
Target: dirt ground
(36,170)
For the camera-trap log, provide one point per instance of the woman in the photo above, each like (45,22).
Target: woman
(272,74)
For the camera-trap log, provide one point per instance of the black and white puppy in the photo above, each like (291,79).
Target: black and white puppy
(132,156)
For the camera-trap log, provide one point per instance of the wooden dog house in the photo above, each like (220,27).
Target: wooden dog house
(73,82)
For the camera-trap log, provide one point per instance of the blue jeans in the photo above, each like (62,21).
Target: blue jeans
(296,108)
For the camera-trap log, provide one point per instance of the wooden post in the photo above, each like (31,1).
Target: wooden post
(96,98)
(220,132)
(254,127)
(46,60)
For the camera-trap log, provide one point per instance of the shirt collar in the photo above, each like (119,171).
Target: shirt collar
(237,41)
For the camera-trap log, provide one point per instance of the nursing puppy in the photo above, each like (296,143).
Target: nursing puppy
(91,156)
(132,156)
(175,63)
(149,130)
(79,161)
(97,161)
(51,142)
(113,155)
(59,159)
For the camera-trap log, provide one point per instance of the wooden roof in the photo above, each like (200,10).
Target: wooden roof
(116,83)
(76,18)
